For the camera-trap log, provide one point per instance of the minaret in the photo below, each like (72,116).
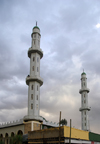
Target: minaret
(34,80)
(84,102)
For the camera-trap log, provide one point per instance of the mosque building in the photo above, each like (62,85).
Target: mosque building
(32,121)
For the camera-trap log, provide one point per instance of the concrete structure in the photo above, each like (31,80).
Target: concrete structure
(62,135)
(34,80)
(84,103)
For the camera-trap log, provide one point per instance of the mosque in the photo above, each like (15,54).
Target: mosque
(33,121)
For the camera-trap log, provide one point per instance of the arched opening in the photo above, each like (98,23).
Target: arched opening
(20,133)
(12,138)
(6,138)
(1,138)
(12,134)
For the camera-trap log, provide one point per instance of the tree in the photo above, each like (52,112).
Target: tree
(16,139)
(63,122)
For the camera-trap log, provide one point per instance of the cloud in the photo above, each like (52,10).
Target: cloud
(70,42)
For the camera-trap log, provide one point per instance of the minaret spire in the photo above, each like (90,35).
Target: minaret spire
(34,80)
(84,102)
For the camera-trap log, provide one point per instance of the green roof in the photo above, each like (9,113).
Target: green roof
(83,73)
(36,27)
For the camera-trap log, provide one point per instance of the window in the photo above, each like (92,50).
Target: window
(85,124)
(37,59)
(84,101)
(37,97)
(38,35)
(31,96)
(34,35)
(37,69)
(32,87)
(85,118)
(37,87)
(84,95)
(33,58)
(34,42)
(38,42)
(84,84)
(33,68)
(31,106)
(37,106)
(85,112)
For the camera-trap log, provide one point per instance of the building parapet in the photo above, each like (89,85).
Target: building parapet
(50,123)
(8,124)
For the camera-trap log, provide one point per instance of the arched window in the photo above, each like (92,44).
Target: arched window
(37,97)
(19,132)
(33,68)
(12,134)
(34,42)
(37,106)
(32,87)
(37,87)
(31,96)
(31,106)
(33,58)
(37,69)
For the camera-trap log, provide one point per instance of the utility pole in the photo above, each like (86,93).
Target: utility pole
(70,132)
(59,126)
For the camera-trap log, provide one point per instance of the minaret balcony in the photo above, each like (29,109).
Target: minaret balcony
(31,50)
(34,78)
(84,108)
(83,90)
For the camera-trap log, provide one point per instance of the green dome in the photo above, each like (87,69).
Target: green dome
(83,73)
(36,27)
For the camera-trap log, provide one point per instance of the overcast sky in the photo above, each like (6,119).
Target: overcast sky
(70,40)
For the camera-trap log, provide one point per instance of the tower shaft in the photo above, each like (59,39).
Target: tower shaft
(34,80)
(84,103)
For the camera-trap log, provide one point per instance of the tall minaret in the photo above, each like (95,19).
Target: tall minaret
(34,80)
(84,102)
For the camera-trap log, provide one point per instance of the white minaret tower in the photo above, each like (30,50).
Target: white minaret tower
(84,102)
(34,80)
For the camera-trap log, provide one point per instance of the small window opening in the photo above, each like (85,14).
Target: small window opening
(33,58)
(31,106)
(37,97)
(37,87)
(32,87)
(34,42)
(34,35)
(33,68)
(31,96)
(37,59)
(37,69)
(37,106)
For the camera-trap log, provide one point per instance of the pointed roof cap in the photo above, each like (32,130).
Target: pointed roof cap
(83,73)
(36,26)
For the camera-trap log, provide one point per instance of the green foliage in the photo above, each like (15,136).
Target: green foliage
(17,139)
(1,142)
(63,122)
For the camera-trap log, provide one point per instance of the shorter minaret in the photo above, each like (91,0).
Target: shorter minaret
(84,102)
